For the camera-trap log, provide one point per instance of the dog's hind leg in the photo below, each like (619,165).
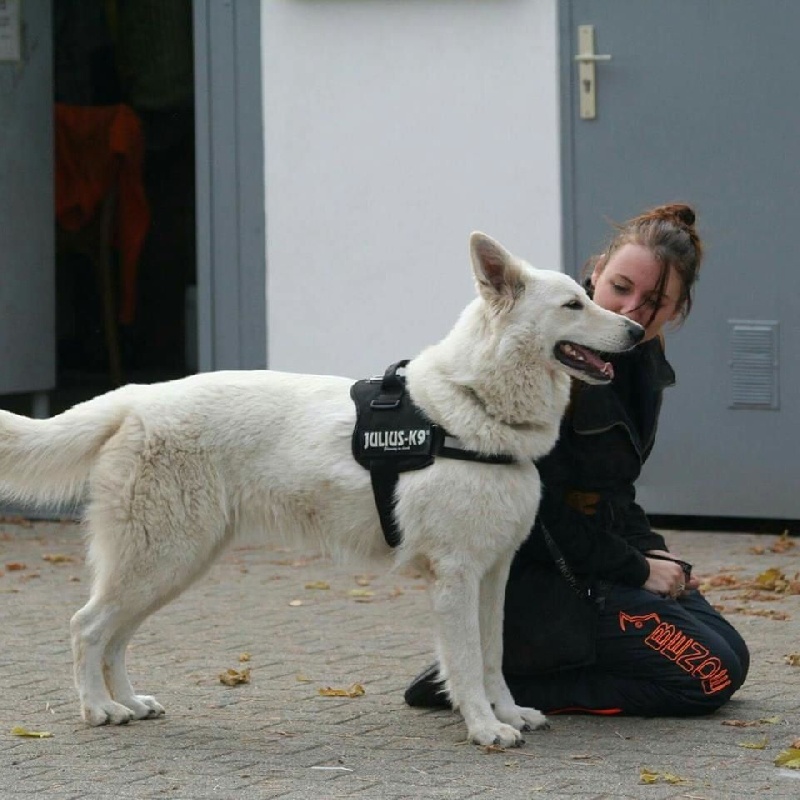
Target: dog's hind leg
(147,544)
(492,600)
(125,594)
(455,599)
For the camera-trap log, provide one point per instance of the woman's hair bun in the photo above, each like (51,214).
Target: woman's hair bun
(677,212)
(685,214)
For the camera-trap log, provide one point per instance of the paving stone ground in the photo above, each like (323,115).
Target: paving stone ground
(278,737)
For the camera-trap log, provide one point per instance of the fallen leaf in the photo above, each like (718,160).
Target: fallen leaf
(57,558)
(356,690)
(722,581)
(363,580)
(20,731)
(761,745)
(793,659)
(783,543)
(295,603)
(303,679)
(740,723)
(772,579)
(649,777)
(234,677)
(244,657)
(770,613)
(790,759)
(16,566)
(318,585)
(361,593)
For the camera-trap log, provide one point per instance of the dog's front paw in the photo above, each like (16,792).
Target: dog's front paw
(521,718)
(145,707)
(106,713)
(496,733)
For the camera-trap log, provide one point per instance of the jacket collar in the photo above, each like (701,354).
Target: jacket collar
(644,374)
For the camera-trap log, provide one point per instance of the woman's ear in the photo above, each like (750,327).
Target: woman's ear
(599,265)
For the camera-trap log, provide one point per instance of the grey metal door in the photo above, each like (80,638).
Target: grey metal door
(698,103)
(27,280)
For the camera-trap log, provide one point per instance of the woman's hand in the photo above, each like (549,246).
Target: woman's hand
(692,583)
(666,578)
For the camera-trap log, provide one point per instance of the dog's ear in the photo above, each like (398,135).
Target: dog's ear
(497,273)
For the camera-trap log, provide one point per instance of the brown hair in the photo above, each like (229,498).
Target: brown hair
(669,232)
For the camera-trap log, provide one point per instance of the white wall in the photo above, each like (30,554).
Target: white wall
(393,128)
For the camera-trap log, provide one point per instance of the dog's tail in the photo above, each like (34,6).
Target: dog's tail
(48,460)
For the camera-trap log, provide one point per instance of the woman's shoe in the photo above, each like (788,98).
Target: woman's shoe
(427,690)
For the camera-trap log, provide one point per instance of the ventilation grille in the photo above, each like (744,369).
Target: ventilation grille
(754,364)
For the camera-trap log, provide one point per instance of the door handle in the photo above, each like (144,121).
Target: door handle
(587,81)
(591,57)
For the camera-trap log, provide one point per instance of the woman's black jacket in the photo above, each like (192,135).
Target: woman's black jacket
(588,498)
(589,509)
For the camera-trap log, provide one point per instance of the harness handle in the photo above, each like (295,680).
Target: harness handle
(393,387)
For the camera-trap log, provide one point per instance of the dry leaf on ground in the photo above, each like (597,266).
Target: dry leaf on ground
(16,566)
(57,558)
(741,723)
(356,690)
(793,659)
(235,677)
(759,745)
(318,585)
(649,777)
(783,543)
(20,731)
(789,759)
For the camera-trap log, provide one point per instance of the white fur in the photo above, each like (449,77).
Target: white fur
(174,470)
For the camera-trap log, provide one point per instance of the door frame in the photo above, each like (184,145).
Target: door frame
(230,186)
(567,96)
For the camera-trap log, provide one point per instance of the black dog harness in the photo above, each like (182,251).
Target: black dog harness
(392,436)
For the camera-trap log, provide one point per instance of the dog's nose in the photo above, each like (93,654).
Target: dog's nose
(636,331)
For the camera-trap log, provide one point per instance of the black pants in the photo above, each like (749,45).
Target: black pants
(655,657)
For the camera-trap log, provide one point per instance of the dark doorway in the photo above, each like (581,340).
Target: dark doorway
(136,55)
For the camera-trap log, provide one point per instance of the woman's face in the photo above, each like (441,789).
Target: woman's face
(627,284)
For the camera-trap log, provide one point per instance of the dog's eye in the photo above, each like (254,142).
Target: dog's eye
(576,305)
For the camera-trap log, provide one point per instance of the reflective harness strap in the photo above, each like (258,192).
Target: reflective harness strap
(384,475)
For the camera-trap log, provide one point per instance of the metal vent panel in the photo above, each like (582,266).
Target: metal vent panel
(754,364)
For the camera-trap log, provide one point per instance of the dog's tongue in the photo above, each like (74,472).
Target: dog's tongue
(603,367)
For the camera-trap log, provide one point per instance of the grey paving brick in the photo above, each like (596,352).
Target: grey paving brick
(276,737)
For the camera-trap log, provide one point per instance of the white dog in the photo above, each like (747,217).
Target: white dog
(174,470)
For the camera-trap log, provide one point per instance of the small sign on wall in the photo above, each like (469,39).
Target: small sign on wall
(10,30)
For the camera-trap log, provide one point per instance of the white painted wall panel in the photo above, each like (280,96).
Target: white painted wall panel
(392,130)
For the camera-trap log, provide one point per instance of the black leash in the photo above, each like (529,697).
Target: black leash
(584,592)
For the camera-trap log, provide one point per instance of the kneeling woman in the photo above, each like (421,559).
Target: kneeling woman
(600,617)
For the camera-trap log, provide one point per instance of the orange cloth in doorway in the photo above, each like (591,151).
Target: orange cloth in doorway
(99,148)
